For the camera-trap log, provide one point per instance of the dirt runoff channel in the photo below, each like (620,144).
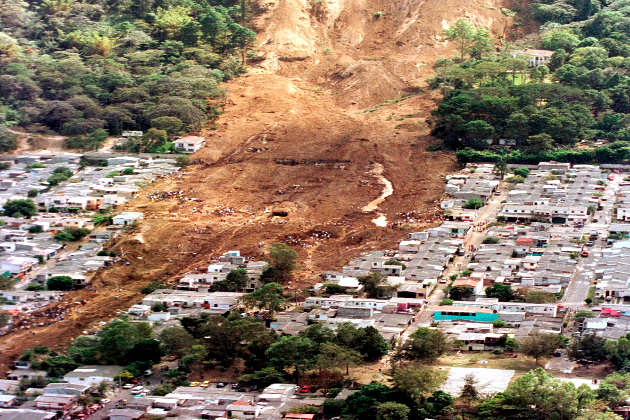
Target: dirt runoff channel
(290,158)
(388,190)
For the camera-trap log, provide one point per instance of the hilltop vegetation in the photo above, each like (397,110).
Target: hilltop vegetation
(582,93)
(79,67)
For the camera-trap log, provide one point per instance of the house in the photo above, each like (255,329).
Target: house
(473,341)
(63,403)
(189,144)
(66,389)
(92,375)
(8,401)
(243,410)
(297,416)
(139,310)
(19,374)
(25,414)
(476,285)
(535,57)
(467,313)
(125,414)
(18,265)
(126,218)
(623,214)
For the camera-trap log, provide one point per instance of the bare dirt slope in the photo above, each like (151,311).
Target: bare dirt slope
(301,133)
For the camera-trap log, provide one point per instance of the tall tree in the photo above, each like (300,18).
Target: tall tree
(269,297)
(282,258)
(588,348)
(462,33)
(535,395)
(541,345)
(292,351)
(424,344)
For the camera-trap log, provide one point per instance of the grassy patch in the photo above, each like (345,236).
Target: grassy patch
(472,360)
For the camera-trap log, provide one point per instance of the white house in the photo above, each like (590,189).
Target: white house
(535,57)
(8,400)
(17,265)
(623,214)
(189,144)
(126,218)
(92,375)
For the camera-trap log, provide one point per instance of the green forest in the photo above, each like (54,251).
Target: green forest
(85,69)
(581,95)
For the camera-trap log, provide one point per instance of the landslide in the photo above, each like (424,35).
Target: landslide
(300,137)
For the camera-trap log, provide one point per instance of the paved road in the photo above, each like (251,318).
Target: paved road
(487,213)
(580,283)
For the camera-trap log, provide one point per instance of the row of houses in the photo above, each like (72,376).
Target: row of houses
(556,193)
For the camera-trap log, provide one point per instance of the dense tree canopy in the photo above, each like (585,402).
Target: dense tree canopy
(80,68)
(581,93)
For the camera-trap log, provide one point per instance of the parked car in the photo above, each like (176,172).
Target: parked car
(558,353)
(137,390)
(584,254)
(195,383)
(221,385)
(235,386)
(128,386)
(105,401)
(205,384)
(305,389)
(497,192)
(590,243)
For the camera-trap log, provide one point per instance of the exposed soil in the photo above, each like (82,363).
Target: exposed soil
(300,134)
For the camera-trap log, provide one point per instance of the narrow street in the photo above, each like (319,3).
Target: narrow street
(581,281)
(474,237)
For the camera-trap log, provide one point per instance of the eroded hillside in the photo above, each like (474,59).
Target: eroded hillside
(302,133)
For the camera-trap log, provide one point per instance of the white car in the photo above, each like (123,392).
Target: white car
(128,386)
(105,401)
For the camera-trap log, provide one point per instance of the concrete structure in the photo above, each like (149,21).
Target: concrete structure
(92,375)
(469,313)
(189,144)
(534,58)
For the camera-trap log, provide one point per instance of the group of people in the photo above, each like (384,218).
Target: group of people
(163,195)
(42,318)
(481,226)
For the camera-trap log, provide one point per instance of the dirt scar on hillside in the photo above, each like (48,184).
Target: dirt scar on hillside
(388,190)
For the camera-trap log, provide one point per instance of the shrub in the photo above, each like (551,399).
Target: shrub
(473,203)
(515,179)
(522,172)
(35,229)
(60,283)
(490,240)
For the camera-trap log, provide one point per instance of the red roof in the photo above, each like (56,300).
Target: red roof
(299,416)
(240,403)
(466,282)
(524,241)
